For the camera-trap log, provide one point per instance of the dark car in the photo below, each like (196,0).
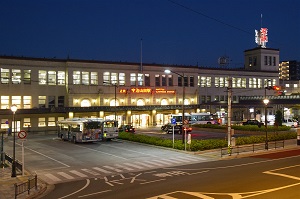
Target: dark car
(177,129)
(127,128)
(253,122)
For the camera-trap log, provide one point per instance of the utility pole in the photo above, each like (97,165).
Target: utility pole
(229,91)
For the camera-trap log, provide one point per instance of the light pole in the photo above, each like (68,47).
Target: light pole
(14,109)
(266,101)
(183,99)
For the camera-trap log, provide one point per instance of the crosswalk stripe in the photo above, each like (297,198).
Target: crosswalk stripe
(133,165)
(179,160)
(123,167)
(91,172)
(162,161)
(170,160)
(112,168)
(52,177)
(156,164)
(78,173)
(102,170)
(192,158)
(144,164)
(65,175)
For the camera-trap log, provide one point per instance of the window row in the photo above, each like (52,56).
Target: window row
(25,102)
(237,82)
(26,122)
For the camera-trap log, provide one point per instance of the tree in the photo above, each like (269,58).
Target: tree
(278,118)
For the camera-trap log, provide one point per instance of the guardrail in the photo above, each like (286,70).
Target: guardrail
(251,148)
(18,163)
(26,186)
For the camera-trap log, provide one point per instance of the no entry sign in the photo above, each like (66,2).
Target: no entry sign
(22,134)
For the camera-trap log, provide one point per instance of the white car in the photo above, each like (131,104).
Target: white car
(290,122)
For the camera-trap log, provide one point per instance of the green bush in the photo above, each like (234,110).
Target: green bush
(201,145)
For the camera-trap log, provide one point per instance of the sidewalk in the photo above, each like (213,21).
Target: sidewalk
(7,190)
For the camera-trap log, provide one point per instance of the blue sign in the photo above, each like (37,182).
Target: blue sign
(173,121)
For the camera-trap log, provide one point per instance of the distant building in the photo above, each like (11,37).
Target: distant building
(289,70)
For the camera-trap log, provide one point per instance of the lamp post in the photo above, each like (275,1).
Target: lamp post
(266,101)
(14,109)
(183,98)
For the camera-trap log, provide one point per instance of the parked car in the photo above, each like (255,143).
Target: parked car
(127,128)
(253,122)
(177,129)
(290,122)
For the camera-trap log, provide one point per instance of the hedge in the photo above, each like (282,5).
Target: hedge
(201,145)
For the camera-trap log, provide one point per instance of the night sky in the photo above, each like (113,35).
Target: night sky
(182,32)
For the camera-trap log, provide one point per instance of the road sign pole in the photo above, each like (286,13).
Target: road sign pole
(173,136)
(23,162)
(185,139)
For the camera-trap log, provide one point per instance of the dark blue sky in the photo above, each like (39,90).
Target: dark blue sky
(186,32)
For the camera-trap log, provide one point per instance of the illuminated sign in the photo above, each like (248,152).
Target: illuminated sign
(147,90)
(261,37)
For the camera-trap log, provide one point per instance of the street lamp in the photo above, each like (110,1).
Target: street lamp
(14,109)
(183,98)
(266,101)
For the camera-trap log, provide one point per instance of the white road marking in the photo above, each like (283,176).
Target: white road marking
(156,164)
(52,177)
(112,168)
(102,170)
(91,172)
(123,167)
(78,173)
(65,175)
(162,162)
(75,192)
(133,165)
(94,193)
(47,156)
(144,164)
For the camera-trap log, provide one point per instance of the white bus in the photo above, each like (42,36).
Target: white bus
(178,118)
(87,129)
(204,118)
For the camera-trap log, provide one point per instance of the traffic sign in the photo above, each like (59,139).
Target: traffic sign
(186,122)
(22,134)
(173,121)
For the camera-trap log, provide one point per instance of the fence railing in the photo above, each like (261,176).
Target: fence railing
(26,186)
(251,148)
(18,163)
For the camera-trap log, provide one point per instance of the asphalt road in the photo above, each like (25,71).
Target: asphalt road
(275,176)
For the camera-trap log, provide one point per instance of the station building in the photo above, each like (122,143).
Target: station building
(48,90)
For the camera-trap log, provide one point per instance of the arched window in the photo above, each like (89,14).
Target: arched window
(164,102)
(85,103)
(112,103)
(140,102)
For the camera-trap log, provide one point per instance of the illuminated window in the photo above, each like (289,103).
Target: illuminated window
(4,76)
(42,77)
(42,122)
(140,79)
(122,79)
(106,77)
(26,122)
(51,77)
(76,77)
(27,101)
(61,78)
(60,118)
(5,102)
(16,100)
(51,121)
(132,79)
(4,124)
(85,103)
(27,76)
(114,78)
(244,82)
(85,78)
(94,78)
(16,76)
(42,101)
